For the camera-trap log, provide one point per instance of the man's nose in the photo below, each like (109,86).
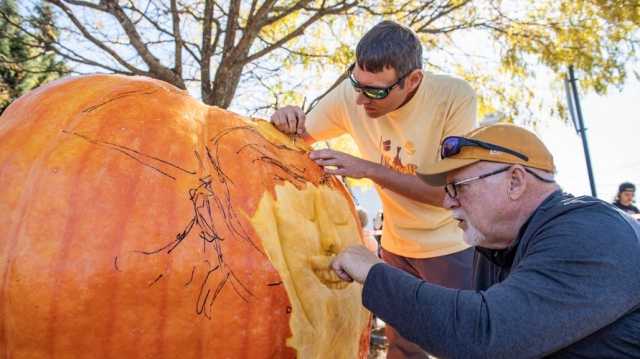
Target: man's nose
(450,203)
(362,99)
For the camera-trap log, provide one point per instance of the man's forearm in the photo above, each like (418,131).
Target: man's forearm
(407,185)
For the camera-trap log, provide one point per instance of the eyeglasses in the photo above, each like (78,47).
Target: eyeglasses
(452,187)
(372,92)
(452,145)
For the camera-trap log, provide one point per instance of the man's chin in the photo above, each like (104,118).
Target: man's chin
(373,113)
(473,238)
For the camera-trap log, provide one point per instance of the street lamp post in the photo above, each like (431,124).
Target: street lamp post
(573,100)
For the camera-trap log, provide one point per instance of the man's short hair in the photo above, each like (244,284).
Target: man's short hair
(389,44)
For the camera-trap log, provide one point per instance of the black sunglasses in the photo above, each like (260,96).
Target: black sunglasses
(371,92)
(452,145)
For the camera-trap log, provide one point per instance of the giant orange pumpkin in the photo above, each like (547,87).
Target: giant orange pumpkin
(137,222)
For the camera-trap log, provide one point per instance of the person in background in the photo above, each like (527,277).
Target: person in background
(367,236)
(397,114)
(555,275)
(625,198)
(378,222)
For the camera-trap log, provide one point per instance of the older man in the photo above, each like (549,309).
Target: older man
(555,275)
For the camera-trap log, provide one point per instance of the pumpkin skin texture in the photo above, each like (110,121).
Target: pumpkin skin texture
(138,222)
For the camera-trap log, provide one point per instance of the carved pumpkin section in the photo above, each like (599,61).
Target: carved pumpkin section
(138,222)
(301,232)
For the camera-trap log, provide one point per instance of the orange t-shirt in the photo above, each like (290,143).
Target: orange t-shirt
(406,140)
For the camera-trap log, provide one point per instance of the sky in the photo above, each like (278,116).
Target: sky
(613,137)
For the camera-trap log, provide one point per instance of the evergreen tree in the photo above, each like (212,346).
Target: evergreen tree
(26,62)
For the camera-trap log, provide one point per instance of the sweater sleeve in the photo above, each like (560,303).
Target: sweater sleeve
(578,275)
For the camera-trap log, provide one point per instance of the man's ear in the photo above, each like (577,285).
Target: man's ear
(517,182)
(413,79)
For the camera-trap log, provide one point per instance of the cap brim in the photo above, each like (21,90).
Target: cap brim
(436,175)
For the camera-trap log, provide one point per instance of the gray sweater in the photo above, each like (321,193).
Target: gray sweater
(569,287)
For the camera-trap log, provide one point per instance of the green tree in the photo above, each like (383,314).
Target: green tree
(25,62)
(263,53)
(505,48)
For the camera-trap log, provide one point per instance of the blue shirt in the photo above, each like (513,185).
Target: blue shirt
(569,287)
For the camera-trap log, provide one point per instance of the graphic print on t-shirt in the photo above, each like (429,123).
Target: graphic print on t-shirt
(390,156)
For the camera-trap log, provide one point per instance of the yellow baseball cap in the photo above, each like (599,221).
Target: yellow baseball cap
(502,143)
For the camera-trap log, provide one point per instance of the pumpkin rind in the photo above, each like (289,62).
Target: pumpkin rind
(126,209)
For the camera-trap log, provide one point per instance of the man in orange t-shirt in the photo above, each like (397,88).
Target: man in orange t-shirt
(397,115)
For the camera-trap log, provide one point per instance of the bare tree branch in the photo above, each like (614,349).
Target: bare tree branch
(207,50)
(178,39)
(299,31)
(92,38)
(155,66)
(335,84)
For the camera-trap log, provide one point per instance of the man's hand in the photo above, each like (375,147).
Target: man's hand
(289,120)
(346,165)
(354,263)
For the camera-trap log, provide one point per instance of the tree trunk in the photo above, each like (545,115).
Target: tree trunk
(225,84)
